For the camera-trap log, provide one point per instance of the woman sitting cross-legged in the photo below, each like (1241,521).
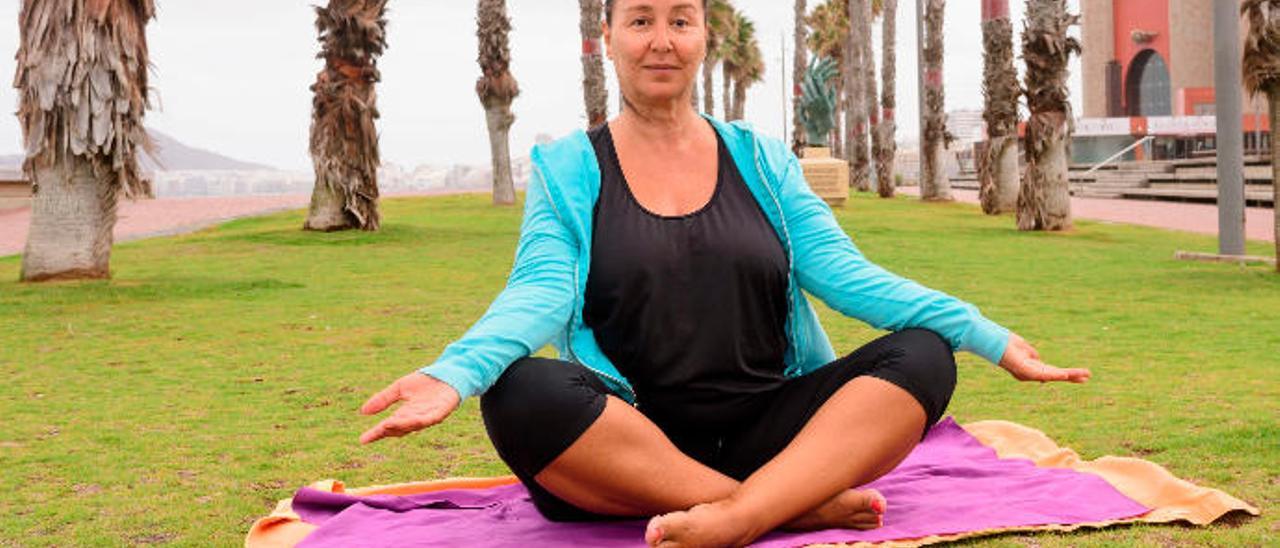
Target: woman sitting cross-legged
(667,256)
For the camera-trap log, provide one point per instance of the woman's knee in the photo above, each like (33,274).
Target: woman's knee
(925,366)
(928,355)
(537,408)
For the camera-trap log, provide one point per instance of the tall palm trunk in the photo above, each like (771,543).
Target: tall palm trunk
(869,96)
(1261,70)
(594,94)
(934,185)
(1044,202)
(344,138)
(855,97)
(496,88)
(82,80)
(887,148)
(740,98)
(837,130)
(708,86)
(799,62)
(998,164)
(726,72)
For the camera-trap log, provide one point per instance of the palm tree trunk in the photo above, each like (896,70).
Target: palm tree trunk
(1044,202)
(726,72)
(888,76)
(739,99)
(594,94)
(496,88)
(934,185)
(837,129)
(869,91)
(72,216)
(855,95)
(81,75)
(344,136)
(708,87)
(800,60)
(998,163)
(499,119)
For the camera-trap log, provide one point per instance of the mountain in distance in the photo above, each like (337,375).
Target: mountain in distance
(170,155)
(173,155)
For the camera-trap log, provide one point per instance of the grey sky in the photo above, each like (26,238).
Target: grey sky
(232,75)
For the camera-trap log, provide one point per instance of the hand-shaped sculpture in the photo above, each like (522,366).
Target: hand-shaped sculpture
(818,100)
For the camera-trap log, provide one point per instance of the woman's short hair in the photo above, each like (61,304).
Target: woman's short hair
(608,11)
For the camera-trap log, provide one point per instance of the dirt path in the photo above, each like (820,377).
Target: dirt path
(167,216)
(1200,218)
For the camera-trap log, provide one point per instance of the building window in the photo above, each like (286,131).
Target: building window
(1147,88)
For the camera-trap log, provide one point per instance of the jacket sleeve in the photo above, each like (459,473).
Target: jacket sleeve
(829,266)
(534,306)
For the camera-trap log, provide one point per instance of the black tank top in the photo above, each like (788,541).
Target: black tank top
(691,308)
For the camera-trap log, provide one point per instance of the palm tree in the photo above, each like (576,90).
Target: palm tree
(720,21)
(799,61)
(1044,202)
(998,163)
(934,185)
(594,94)
(344,140)
(1262,74)
(82,79)
(886,148)
(738,52)
(867,55)
(855,113)
(496,89)
(828,34)
(748,66)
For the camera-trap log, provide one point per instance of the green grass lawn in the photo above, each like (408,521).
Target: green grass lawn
(220,370)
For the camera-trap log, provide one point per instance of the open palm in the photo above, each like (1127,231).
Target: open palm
(1023,362)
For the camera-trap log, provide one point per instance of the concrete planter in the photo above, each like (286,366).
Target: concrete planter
(828,177)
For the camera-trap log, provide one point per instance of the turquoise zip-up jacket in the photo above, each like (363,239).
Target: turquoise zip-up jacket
(542,302)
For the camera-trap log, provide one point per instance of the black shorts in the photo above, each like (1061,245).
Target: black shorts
(540,406)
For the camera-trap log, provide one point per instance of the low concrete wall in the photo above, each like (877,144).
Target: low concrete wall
(14,194)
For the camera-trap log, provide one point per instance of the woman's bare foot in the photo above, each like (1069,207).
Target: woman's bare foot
(710,524)
(851,509)
(717,524)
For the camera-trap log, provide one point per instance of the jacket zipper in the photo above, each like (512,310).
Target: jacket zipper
(573,314)
(786,234)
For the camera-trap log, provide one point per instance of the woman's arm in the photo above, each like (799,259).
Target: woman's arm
(829,266)
(535,305)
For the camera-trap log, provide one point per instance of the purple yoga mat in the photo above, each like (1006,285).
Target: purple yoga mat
(949,484)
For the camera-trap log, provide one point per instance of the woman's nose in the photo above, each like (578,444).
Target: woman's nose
(661,40)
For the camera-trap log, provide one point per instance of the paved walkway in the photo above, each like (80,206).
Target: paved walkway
(166,216)
(1200,218)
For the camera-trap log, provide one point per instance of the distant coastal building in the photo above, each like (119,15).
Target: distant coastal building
(1151,61)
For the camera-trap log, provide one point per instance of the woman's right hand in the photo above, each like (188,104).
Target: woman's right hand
(427,401)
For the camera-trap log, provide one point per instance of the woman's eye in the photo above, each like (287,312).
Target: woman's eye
(682,23)
(639,22)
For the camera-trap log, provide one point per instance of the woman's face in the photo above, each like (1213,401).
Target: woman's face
(656,47)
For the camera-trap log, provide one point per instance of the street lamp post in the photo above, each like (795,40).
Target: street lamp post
(1230,137)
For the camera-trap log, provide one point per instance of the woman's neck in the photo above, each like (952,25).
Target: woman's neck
(660,123)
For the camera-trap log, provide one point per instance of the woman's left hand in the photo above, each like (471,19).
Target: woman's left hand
(1023,362)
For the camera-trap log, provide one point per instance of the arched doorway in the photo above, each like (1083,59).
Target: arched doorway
(1147,89)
